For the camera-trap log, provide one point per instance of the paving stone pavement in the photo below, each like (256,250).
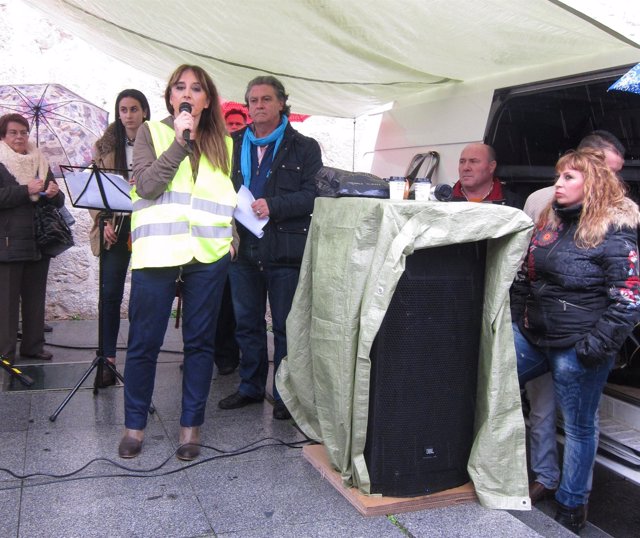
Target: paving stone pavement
(70,483)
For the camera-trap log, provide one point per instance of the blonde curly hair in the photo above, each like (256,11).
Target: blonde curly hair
(604,197)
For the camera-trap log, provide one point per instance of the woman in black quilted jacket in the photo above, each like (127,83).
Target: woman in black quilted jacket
(574,302)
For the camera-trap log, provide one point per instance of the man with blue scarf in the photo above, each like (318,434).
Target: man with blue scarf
(278,165)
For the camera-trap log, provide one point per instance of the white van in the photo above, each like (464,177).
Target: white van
(531,119)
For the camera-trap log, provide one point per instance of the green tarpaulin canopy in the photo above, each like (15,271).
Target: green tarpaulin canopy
(345,58)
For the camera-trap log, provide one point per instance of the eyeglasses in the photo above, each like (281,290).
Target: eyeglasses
(16,133)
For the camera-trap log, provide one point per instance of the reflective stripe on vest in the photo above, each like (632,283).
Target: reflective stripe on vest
(190,220)
(164,198)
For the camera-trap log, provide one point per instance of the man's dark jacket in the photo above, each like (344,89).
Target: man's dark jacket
(290,192)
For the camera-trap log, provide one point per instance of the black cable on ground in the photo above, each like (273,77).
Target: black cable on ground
(150,472)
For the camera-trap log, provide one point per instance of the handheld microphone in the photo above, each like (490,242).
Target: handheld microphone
(186,134)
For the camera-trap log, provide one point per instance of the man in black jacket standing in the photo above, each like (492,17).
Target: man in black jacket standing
(278,165)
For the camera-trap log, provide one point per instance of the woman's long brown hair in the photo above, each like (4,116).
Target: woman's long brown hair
(212,132)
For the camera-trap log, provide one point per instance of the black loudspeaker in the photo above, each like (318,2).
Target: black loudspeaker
(424,364)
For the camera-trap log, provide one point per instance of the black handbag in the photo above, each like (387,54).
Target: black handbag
(53,236)
(334,183)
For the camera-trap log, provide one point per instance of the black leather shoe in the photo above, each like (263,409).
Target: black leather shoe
(129,447)
(42,356)
(538,492)
(226,370)
(237,400)
(280,411)
(573,519)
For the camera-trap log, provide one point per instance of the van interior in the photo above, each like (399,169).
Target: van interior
(530,126)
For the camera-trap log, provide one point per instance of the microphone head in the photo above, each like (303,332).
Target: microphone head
(443,192)
(184,107)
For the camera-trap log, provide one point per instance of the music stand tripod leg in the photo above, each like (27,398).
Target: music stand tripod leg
(55,414)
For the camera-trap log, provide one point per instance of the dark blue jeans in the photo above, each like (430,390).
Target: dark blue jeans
(227,351)
(114,265)
(152,294)
(578,390)
(250,287)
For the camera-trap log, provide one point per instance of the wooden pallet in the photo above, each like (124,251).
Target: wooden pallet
(369,505)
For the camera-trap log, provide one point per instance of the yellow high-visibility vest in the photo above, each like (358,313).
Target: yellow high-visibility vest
(190,220)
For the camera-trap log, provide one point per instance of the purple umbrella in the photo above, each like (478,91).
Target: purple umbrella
(629,82)
(63,125)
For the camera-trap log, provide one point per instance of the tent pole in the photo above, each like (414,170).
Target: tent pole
(353,147)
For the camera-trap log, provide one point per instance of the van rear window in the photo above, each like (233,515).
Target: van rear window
(531,127)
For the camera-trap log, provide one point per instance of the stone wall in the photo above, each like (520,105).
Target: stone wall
(72,288)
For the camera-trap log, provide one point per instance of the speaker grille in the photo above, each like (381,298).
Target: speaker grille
(423,374)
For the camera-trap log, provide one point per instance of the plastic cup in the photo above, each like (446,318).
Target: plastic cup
(396,188)
(422,191)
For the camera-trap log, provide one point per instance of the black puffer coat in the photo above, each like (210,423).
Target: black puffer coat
(589,298)
(17,232)
(290,192)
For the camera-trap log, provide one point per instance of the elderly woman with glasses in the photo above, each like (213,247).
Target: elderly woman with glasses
(25,180)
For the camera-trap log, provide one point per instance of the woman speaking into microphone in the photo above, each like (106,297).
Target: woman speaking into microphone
(183,201)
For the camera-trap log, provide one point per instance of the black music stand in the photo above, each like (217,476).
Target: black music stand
(104,190)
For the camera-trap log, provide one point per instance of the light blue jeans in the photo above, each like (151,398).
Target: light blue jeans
(578,390)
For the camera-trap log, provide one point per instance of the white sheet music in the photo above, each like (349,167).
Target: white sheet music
(84,191)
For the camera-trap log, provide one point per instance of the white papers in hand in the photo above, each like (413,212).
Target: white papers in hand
(245,215)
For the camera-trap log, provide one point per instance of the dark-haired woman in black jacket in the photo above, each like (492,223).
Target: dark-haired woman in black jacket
(114,150)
